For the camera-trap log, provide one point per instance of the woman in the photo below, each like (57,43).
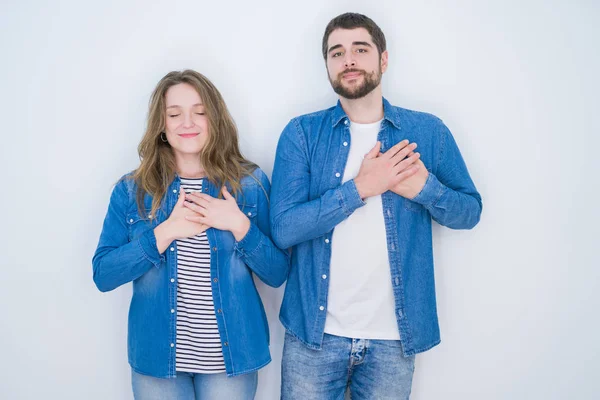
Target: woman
(189,227)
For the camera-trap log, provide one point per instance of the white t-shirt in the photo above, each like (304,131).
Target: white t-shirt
(361,299)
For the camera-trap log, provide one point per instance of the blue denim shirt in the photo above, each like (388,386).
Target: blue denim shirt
(127,252)
(308,200)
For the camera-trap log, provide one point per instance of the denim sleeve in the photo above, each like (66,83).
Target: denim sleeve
(295,218)
(118,260)
(266,260)
(450,195)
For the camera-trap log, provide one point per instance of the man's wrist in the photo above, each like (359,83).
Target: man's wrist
(360,188)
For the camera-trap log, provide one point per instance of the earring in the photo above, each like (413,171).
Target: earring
(163,137)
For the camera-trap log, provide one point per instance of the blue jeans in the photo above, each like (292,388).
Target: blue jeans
(187,386)
(371,369)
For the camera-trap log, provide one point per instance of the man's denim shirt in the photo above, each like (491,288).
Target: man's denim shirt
(308,200)
(127,252)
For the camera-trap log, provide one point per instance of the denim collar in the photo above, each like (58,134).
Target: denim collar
(389,113)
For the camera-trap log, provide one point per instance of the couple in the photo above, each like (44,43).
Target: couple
(193,223)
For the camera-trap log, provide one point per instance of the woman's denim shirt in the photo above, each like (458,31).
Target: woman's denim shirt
(127,252)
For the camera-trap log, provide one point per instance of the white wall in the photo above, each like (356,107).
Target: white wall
(516,82)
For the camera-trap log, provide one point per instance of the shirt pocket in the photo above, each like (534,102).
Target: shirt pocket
(138,225)
(250,210)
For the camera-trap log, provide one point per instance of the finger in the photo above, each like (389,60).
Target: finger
(226,194)
(197,219)
(396,148)
(195,207)
(407,162)
(407,173)
(181,198)
(374,151)
(400,155)
(199,198)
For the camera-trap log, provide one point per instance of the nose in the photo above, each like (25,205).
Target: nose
(187,121)
(349,60)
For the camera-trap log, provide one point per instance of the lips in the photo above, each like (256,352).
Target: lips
(188,135)
(352,74)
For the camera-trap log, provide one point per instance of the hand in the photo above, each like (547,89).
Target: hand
(223,214)
(381,172)
(177,226)
(410,187)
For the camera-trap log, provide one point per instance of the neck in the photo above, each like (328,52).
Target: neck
(189,166)
(365,110)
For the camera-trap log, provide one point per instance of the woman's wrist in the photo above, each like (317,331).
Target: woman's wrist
(163,236)
(241,227)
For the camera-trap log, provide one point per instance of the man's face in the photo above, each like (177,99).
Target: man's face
(353,63)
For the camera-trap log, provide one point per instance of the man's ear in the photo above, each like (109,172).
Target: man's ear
(384,61)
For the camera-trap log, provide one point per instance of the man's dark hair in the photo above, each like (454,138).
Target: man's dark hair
(352,21)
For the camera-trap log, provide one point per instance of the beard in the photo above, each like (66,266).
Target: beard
(370,82)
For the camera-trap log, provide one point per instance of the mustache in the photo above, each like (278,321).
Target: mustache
(349,70)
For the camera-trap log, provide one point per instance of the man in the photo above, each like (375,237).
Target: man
(360,303)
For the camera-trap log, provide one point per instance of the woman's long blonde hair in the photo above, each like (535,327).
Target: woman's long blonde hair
(221,157)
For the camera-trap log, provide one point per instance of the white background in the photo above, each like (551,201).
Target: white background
(515,81)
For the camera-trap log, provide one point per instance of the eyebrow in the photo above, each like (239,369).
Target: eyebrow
(176,106)
(337,46)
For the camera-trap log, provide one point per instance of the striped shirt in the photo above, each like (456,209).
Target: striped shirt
(198,341)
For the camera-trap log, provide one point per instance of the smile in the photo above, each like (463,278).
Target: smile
(188,135)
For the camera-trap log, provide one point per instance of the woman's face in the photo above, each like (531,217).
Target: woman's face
(186,124)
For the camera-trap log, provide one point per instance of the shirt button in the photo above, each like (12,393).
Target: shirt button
(172,344)
(172,280)
(131,221)
(337,175)
(174,190)
(172,248)
(219,311)
(346,122)
(324,276)
(215,280)
(249,214)
(225,344)
(326,240)
(214,249)
(321,308)
(345,144)
(172,310)
(150,216)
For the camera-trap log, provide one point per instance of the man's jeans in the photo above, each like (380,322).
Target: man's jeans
(187,386)
(372,369)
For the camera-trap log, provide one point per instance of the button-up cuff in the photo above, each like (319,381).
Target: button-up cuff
(431,192)
(349,198)
(250,242)
(147,243)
